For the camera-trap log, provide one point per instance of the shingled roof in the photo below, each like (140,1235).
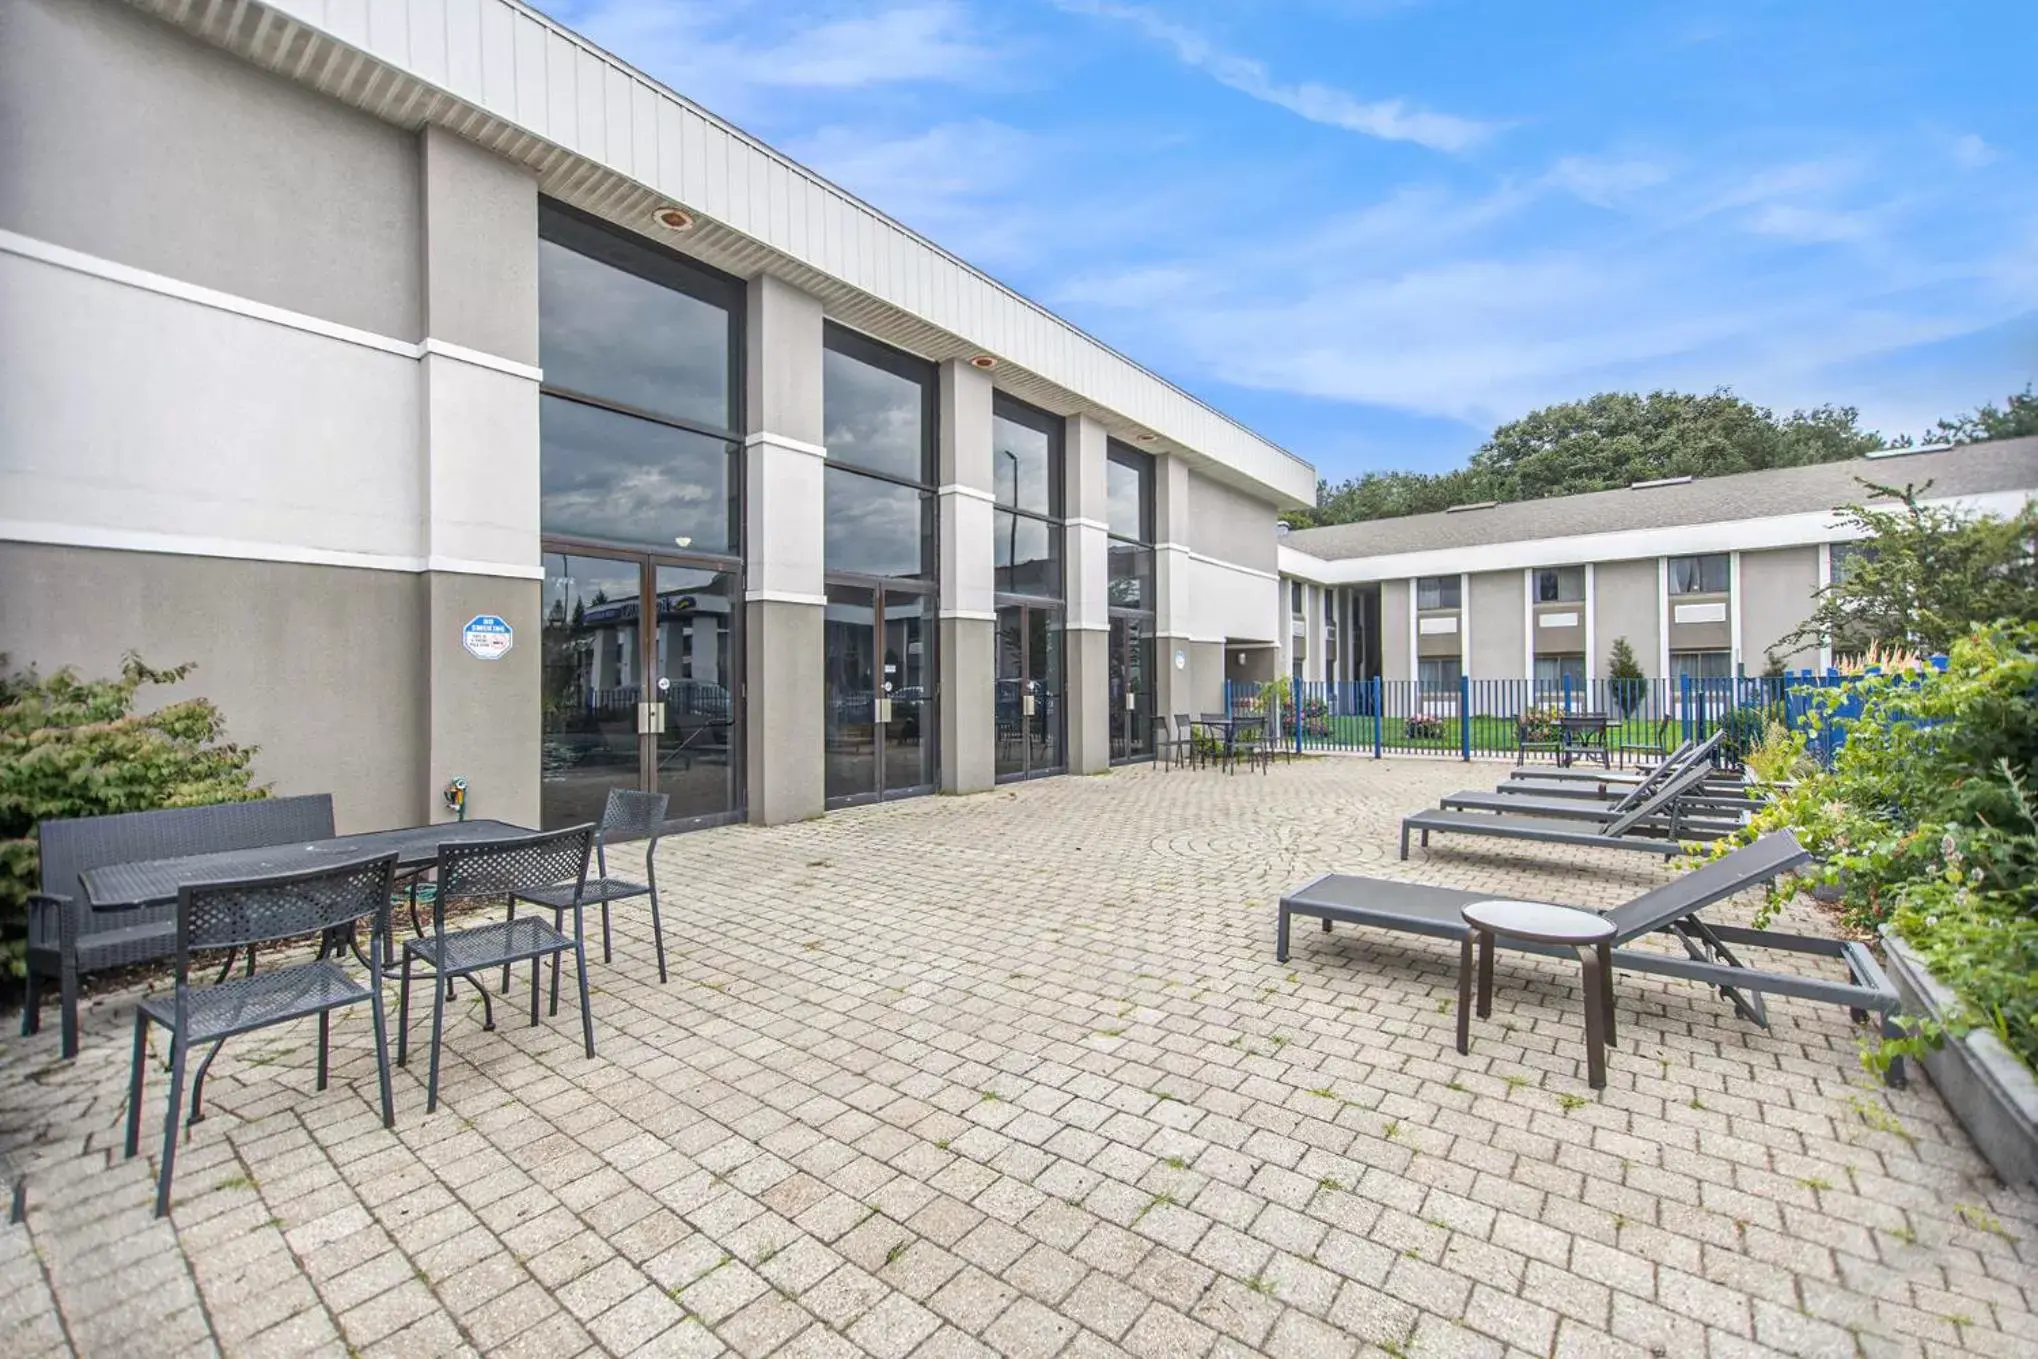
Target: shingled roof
(1970,469)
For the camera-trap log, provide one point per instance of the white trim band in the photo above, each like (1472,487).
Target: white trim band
(970,615)
(1088,524)
(967,492)
(92,266)
(783,597)
(765,438)
(191,545)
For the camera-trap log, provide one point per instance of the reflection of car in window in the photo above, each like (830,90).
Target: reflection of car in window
(699,710)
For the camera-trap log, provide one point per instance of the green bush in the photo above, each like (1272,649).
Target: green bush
(1627,684)
(73,747)
(1540,726)
(1925,822)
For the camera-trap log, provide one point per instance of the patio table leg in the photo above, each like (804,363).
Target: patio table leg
(1595,1016)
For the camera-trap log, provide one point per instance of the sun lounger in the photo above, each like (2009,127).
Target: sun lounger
(1653,823)
(1674,908)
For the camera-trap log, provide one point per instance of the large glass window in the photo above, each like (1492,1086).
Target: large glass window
(1437,592)
(637,421)
(1560,585)
(877,527)
(1026,472)
(1128,488)
(1438,673)
(1846,558)
(1705,575)
(876,407)
(1701,665)
(622,479)
(1552,672)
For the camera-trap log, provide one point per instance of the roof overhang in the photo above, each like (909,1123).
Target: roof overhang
(1681,540)
(610,140)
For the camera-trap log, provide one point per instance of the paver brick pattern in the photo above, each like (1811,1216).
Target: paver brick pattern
(1017,1074)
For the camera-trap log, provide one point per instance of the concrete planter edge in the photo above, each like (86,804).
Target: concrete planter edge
(1991,1092)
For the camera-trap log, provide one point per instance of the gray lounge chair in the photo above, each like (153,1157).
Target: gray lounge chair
(67,938)
(1577,802)
(1655,824)
(1674,908)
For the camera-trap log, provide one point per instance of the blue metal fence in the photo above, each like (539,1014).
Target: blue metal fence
(1618,721)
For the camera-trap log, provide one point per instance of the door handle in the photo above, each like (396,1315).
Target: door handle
(1129,701)
(1026,705)
(884,711)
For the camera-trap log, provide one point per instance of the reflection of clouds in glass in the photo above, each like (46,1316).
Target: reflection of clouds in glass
(1027,554)
(1022,463)
(874,527)
(604,475)
(1125,486)
(611,334)
(873,418)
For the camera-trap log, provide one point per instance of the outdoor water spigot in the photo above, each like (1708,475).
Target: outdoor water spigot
(455,793)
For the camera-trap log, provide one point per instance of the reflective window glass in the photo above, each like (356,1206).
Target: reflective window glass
(1131,576)
(1699,575)
(1028,556)
(1437,592)
(1128,487)
(874,407)
(1026,458)
(1560,585)
(621,479)
(874,527)
(632,335)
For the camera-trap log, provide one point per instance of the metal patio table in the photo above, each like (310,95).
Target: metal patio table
(1227,728)
(1585,734)
(156,882)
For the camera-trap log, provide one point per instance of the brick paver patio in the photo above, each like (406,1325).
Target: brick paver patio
(1018,1073)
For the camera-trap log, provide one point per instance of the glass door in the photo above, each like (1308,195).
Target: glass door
(878,680)
(693,652)
(1028,702)
(1132,688)
(636,697)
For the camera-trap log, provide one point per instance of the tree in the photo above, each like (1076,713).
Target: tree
(1606,442)
(1625,671)
(1618,438)
(1924,576)
(74,747)
(2018,417)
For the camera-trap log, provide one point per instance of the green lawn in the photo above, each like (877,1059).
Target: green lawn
(1490,735)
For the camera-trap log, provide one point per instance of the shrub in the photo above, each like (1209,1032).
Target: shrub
(1540,725)
(1424,727)
(1626,681)
(73,747)
(1924,821)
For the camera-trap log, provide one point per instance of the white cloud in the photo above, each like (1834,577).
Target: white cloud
(1970,152)
(1605,182)
(723,54)
(1387,119)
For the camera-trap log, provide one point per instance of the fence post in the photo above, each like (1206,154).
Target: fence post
(1684,705)
(1465,716)
(1379,716)
(1567,690)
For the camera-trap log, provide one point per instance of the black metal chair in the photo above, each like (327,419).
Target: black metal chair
(496,870)
(329,902)
(627,814)
(1169,746)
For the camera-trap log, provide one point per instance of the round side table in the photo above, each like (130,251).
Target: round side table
(1535,922)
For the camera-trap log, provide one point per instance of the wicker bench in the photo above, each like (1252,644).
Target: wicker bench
(67,938)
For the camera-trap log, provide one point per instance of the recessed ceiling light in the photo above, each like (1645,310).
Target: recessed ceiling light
(673,218)
(1144,438)
(983,361)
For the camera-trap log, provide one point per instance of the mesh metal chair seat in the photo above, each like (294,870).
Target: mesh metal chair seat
(327,903)
(248,1003)
(630,813)
(493,945)
(497,870)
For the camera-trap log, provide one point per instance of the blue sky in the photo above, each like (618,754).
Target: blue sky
(1373,229)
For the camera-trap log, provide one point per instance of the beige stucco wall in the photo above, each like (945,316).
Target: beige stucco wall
(1776,596)
(1395,662)
(322,668)
(1495,608)
(1230,525)
(1625,604)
